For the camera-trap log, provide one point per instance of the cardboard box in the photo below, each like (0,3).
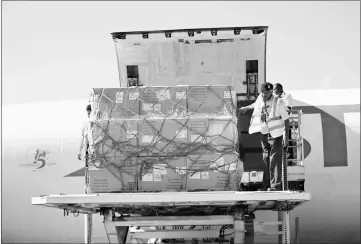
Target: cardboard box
(161,173)
(115,103)
(162,101)
(214,172)
(188,135)
(114,138)
(197,135)
(223,132)
(120,175)
(207,134)
(212,100)
(163,136)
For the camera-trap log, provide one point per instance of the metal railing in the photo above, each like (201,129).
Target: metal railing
(296,146)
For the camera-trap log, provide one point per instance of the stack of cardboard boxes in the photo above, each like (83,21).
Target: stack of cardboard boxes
(164,139)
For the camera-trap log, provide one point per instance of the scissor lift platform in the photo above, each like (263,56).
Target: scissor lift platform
(226,216)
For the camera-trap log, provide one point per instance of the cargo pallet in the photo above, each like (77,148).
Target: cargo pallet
(223,216)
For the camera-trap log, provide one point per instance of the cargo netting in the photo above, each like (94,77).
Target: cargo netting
(165,138)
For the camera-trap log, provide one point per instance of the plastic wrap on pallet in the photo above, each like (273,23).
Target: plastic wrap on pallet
(212,134)
(212,100)
(162,136)
(118,175)
(163,101)
(115,103)
(110,139)
(201,100)
(193,172)
(187,135)
(210,171)
(161,173)
(214,171)
(192,126)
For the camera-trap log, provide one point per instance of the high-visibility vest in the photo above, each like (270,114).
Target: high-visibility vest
(274,125)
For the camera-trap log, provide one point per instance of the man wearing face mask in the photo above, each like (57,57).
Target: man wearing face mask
(287,100)
(270,117)
(286,97)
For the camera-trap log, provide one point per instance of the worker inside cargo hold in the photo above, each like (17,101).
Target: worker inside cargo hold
(271,118)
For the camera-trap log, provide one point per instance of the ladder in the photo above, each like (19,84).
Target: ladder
(292,155)
(295,147)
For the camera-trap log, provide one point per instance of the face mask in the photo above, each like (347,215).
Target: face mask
(266,97)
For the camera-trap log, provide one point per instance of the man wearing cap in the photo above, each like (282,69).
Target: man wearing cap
(270,117)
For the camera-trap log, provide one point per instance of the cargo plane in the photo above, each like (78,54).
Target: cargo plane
(39,157)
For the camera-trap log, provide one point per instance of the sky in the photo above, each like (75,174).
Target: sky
(59,50)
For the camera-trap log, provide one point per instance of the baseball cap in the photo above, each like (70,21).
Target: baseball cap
(266,86)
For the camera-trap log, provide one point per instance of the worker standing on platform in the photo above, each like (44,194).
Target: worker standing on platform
(84,134)
(270,117)
(287,100)
(286,97)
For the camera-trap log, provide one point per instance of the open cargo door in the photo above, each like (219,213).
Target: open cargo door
(233,56)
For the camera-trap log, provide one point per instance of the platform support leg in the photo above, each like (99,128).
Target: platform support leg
(239,226)
(284,217)
(249,227)
(297,230)
(88,221)
(122,233)
(116,234)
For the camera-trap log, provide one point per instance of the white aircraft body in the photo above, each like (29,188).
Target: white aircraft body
(40,143)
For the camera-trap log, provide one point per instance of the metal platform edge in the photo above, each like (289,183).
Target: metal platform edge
(93,202)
